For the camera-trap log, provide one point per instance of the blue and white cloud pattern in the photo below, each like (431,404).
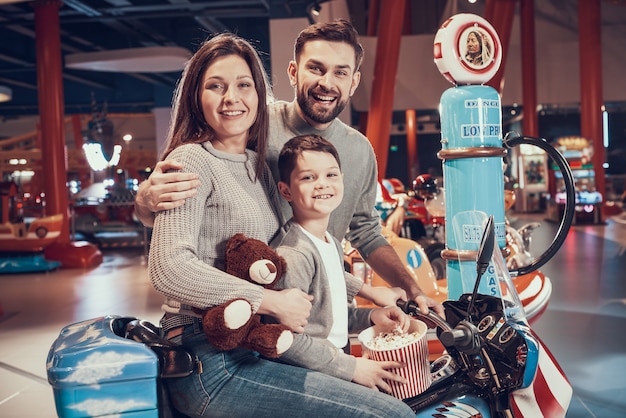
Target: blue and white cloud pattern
(95,372)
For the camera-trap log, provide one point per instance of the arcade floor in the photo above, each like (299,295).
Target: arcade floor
(584,325)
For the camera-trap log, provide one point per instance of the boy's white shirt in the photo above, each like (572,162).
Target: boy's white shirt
(333,266)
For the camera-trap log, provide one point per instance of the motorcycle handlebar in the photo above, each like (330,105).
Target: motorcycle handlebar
(410,307)
(464,337)
(570,202)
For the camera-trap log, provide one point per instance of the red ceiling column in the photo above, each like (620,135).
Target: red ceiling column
(590,46)
(411,144)
(410,117)
(529,68)
(384,81)
(372,25)
(372,20)
(50,87)
(500,14)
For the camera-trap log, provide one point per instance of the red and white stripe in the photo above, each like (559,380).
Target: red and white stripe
(550,393)
(416,372)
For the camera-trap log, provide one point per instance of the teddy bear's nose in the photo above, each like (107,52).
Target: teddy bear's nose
(263,271)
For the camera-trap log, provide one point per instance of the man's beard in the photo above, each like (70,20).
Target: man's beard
(307,105)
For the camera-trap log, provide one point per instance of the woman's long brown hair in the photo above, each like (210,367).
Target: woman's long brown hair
(188,124)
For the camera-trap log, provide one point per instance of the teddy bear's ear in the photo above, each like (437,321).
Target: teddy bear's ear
(235,242)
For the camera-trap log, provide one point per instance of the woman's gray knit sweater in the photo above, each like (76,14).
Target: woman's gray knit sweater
(188,243)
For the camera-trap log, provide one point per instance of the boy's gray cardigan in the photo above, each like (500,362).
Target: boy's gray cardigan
(305,271)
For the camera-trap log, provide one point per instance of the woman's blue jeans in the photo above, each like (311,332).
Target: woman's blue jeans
(237,383)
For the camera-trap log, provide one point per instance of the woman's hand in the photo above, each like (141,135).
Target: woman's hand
(290,307)
(391,317)
(372,374)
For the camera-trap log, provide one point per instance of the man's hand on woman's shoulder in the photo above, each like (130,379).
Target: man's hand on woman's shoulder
(164,190)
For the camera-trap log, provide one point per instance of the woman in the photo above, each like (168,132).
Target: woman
(219,130)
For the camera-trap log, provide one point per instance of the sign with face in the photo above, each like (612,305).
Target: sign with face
(467,50)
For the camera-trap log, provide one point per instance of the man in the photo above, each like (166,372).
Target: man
(325,73)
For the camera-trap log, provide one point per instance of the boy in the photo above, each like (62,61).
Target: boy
(312,182)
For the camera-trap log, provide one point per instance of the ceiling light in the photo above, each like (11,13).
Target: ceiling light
(5,94)
(316,9)
(153,59)
(96,158)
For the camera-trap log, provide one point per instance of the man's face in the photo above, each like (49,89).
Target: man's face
(473,46)
(325,79)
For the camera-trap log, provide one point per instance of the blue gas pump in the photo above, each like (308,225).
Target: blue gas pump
(468,53)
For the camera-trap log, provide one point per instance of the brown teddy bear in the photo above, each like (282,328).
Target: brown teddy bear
(232,324)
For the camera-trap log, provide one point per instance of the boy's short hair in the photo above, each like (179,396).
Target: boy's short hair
(296,146)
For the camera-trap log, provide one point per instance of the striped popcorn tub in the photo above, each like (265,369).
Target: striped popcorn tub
(382,344)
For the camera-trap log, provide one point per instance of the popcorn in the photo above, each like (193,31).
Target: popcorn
(393,339)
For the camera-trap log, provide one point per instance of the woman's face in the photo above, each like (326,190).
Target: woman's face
(229,99)
(473,46)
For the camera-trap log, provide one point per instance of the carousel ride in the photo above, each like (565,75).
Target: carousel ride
(22,240)
(101,176)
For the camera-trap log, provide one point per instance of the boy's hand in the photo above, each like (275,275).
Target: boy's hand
(391,317)
(372,374)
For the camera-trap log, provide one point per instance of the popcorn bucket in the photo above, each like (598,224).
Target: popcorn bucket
(413,353)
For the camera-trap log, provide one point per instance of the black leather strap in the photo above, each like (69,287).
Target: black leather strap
(174,360)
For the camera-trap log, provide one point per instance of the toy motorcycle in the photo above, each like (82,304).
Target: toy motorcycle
(494,365)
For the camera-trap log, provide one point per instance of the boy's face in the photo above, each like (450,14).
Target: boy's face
(316,187)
